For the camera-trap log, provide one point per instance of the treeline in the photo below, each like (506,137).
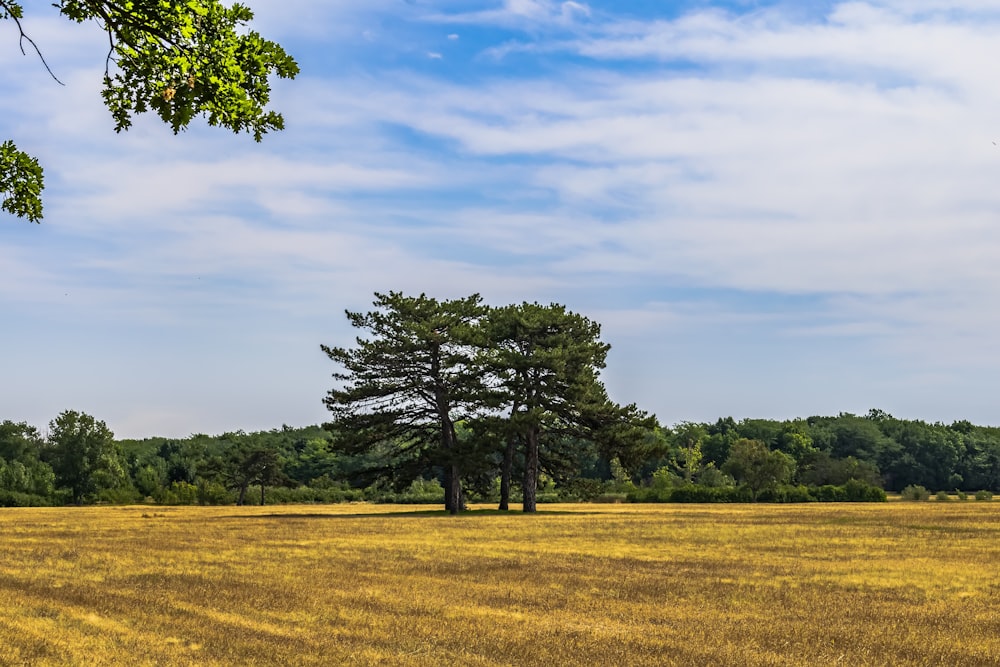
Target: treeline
(458,401)
(842,458)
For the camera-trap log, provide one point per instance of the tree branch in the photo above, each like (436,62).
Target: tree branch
(25,37)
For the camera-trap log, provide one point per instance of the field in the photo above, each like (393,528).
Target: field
(822,584)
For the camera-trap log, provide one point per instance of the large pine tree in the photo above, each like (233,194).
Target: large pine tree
(403,388)
(545,361)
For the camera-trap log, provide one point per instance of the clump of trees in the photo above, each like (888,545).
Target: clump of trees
(522,380)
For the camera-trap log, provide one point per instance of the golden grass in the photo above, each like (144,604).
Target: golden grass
(821,584)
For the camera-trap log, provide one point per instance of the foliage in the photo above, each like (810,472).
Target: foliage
(581,463)
(21,183)
(915,492)
(460,392)
(753,465)
(984,495)
(543,364)
(22,473)
(178,58)
(852,491)
(245,463)
(85,458)
(178,493)
(403,388)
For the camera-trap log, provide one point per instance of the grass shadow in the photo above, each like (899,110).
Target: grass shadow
(405,514)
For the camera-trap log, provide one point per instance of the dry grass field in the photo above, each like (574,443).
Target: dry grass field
(819,584)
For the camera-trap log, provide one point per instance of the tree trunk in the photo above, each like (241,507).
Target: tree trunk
(449,441)
(447,490)
(452,473)
(506,470)
(242,496)
(262,494)
(453,490)
(530,489)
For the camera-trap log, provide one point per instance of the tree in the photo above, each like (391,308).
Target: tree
(752,464)
(21,470)
(84,456)
(404,388)
(247,461)
(177,58)
(544,361)
(689,438)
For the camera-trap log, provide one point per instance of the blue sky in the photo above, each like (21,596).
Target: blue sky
(775,209)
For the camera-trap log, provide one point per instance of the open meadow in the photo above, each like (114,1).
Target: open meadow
(852,584)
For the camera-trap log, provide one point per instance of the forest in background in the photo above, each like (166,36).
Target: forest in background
(78,461)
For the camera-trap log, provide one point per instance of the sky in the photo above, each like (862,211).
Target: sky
(774,209)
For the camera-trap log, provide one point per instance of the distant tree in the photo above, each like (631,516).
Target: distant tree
(21,470)
(246,462)
(310,459)
(794,440)
(688,437)
(753,465)
(84,456)
(19,440)
(819,468)
(721,435)
(930,454)
(403,388)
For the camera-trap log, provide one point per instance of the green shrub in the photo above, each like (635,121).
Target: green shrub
(858,491)
(852,491)
(915,492)
(122,495)
(785,494)
(828,493)
(691,493)
(178,493)
(581,489)
(984,495)
(420,491)
(648,495)
(665,479)
(213,493)
(962,495)
(942,496)
(329,494)
(19,499)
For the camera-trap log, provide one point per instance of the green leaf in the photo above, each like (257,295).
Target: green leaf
(21,183)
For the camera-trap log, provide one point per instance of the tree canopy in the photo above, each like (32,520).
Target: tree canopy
(178,58)
(84,456)
(520,380)
(404,388)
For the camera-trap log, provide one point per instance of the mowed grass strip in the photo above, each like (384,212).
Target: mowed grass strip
(897,583)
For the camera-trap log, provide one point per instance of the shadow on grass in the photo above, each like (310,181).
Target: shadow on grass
(404,514)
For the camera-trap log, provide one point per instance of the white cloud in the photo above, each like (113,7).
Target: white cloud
(520,14)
